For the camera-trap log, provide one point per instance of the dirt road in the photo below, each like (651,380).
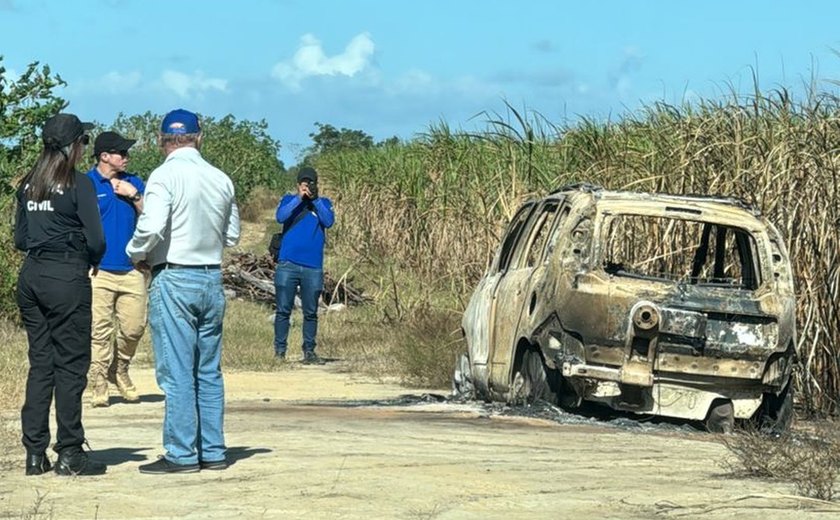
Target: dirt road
(305,444)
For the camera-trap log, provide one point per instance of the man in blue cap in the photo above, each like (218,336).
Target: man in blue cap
(189,216)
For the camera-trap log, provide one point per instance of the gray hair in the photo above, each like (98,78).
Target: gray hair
(179,140)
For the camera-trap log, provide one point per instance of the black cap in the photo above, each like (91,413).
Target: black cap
(111,142)
(62,129)
(307,174)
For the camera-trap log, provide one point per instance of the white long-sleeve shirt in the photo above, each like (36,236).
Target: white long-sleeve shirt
(189,213)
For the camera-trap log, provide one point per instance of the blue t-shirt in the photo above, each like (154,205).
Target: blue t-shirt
(303,243)
(118,219)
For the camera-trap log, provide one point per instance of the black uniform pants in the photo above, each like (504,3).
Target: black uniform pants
(54,297)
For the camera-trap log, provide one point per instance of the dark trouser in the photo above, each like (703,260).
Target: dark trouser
(54,298)
(287,279)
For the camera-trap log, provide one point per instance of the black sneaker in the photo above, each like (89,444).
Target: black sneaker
(311,358)
(280,358)
(162,466)
(74,461)
(37,463)
(214,465)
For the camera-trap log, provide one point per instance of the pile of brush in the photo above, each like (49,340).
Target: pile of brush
(251,277)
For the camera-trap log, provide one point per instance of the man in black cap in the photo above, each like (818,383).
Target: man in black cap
(305,217)
(119,290)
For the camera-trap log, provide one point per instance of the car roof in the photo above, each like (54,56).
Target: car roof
(729,208)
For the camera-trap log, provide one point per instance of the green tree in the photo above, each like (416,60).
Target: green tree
(242,149)
(330,139)
(391,141)
(245,151)
(25,104)
(145,154)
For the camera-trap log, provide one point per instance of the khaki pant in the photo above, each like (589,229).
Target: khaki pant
(119,309)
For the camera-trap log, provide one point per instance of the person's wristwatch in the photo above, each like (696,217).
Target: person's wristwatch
(137,196)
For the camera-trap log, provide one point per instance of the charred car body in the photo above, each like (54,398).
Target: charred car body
(677,306)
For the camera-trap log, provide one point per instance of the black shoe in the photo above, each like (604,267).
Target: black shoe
(281,357)
(37,463)
(215,465)
(311,358)
(74,461)
(162,466)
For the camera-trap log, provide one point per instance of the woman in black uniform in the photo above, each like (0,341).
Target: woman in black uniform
(58,225)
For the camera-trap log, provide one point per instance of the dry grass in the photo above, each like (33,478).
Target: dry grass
(410,332)
(436,205)
(258,203)
(427,348)
(810,460)
(13,369)
(13,365)
(419,350)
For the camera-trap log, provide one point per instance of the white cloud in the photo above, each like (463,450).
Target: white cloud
(310,60)
(112,82)
(414,80)
(115,82)
(185,85)
(181,84)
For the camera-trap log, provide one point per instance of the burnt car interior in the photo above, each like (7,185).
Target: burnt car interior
(679,250)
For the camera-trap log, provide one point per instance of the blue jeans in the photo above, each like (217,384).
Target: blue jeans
(186,310)
(287,278)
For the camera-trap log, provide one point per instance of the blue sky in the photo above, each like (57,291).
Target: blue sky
(392,67)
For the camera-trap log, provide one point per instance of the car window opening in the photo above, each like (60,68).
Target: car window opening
(512,237)
(539,236)
(677,250)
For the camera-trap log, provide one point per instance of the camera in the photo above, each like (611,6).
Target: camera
(313,189)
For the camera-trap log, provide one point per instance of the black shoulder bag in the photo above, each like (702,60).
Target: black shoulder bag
(277,238)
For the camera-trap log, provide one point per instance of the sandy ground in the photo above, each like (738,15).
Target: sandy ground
(303,445)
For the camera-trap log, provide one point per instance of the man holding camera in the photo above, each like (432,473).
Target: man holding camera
(300,261)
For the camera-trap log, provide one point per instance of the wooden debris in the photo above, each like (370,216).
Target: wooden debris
(252,277)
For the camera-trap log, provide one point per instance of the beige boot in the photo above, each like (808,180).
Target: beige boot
(99,390)
(124,383)
(112,371)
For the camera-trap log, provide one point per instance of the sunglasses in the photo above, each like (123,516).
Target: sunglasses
(85,139)
(121,153)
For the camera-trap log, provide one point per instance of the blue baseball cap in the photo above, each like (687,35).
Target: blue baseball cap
(180,121)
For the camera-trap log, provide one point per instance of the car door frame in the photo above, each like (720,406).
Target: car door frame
(513,290)
(479,313)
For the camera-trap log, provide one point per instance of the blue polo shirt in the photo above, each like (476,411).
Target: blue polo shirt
(118,219)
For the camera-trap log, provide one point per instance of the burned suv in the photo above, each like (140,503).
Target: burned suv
(677,306)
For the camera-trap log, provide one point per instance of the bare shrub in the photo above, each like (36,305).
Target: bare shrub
(429,341)
(808,460)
